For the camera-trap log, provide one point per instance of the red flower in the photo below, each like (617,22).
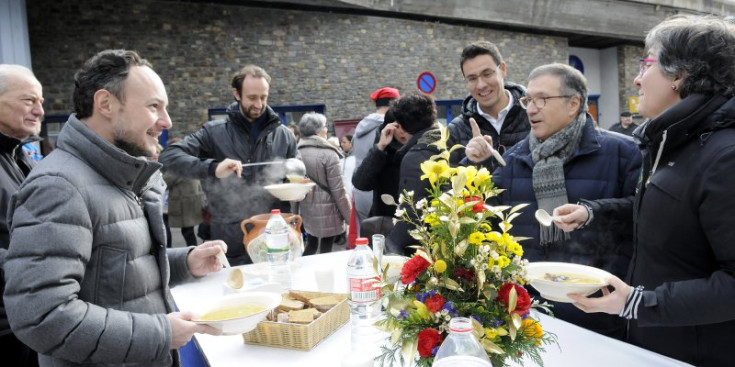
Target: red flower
(412,268)
(435,303)
(428,339)
(464,273)
(524,300)
(477,208)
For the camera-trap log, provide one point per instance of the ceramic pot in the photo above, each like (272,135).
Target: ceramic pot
(253,239)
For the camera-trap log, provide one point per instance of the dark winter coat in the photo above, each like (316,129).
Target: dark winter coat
(604,165)
(380,172)
(515,126)
(14,167)
(685,233)
(417,150)
(88,270)
(233,199)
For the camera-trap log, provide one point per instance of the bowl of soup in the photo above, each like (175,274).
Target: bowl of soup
(239,313)
(292,191)
(554,280)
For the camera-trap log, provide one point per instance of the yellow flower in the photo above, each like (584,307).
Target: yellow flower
(432,220)
(476,238)
(434,170)
(422,310)
(503,261)
(532,329)
(440,266)
(482,176)
(494,332)
(490,333)
(493,236)
(515,248)
(485,227)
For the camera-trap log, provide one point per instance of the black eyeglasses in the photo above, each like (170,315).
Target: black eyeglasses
(540,102)
(486,75)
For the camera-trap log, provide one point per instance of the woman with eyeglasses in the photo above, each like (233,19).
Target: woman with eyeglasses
(680,292)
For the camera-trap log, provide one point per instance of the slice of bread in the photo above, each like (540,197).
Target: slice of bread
(290,304)
(301,316)
(302,296)
(323,304)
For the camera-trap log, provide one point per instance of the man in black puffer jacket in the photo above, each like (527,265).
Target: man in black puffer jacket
(251,133)
(492,102)
(20,118)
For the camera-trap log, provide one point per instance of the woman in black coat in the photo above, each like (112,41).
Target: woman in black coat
(682,303)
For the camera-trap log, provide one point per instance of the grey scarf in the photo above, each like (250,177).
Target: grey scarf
(548,172)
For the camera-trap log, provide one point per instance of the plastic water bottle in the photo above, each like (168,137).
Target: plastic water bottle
(461,348)
(276,240)
(364,300)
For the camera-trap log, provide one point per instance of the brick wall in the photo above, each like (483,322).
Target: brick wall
(313,57)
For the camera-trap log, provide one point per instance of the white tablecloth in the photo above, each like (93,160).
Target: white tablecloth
(577,346)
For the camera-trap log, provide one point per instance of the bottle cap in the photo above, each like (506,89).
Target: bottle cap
(276,211)
(361,241)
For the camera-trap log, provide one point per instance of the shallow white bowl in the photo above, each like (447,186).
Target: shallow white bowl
(241,325)
(557,291)
(394,263)
(290,191)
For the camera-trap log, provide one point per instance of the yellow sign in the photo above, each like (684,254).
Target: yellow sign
(633,104)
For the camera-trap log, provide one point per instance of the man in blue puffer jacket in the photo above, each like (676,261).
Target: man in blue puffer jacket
(566,159)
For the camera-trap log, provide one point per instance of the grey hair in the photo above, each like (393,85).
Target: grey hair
(8,71)
(571,81)
(699,49)
(311,123)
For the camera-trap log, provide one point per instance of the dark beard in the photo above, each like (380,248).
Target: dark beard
(130,148)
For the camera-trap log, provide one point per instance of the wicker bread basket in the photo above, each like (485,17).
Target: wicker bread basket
(300,336)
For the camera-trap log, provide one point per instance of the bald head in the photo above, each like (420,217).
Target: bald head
(21,99)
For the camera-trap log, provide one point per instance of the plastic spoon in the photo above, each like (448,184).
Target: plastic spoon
(543,217)
(223,259)
(498,157)
(235,279)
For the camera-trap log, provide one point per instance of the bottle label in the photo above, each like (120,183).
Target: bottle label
(364,290)
(277,242)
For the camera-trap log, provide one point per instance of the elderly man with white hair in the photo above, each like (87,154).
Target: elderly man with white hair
(21,110)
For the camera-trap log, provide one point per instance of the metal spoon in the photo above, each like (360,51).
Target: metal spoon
(543,217)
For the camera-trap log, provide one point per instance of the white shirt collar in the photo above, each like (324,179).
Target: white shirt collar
(498,123)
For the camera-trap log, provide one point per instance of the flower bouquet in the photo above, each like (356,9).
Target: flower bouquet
(467,265)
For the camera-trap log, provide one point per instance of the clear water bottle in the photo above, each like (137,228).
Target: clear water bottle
(461,348)
(276,240)
(364,299)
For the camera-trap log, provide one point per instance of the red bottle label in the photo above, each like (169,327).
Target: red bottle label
(364,290)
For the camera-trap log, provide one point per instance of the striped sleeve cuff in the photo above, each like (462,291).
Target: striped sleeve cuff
(630,310)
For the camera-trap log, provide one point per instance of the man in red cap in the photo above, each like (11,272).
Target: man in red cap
(364,139)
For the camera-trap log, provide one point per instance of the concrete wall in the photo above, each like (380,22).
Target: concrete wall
(609,87)
(313,57)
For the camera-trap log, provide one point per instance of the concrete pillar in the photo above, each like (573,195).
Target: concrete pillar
(14,45)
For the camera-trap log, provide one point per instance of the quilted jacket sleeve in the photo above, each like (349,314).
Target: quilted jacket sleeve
(49,251)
